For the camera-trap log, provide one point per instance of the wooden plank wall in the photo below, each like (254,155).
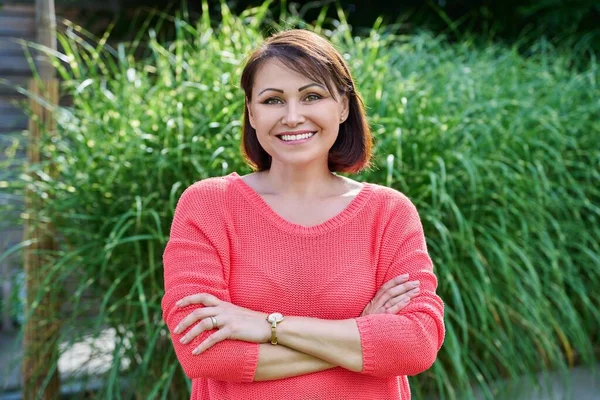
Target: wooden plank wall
(16,21)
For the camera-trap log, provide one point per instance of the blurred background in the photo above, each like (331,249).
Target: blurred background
(486,114)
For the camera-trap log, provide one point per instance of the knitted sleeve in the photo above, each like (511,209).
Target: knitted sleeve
(406,343)
(196,260)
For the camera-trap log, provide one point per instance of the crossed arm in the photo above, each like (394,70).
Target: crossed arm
(306,345)
(378,344)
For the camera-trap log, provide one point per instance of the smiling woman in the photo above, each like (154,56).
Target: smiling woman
(302,75)
(294,282)
(296,121)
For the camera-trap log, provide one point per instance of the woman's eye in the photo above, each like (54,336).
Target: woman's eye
(272,100)
(313,97)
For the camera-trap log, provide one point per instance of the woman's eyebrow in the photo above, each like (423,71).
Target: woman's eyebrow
(311,84)
(299,89)
(275,90)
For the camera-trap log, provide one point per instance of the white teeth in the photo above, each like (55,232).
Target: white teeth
(289,138)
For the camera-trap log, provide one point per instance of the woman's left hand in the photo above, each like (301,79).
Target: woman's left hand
(232,322)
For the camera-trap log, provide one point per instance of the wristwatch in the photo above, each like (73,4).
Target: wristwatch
(274,319)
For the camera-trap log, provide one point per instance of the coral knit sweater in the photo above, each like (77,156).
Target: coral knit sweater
(225,240)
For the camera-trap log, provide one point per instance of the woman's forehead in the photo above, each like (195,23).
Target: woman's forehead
(274,69)
(276,72)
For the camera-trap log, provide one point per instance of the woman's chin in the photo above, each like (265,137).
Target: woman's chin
(298,160)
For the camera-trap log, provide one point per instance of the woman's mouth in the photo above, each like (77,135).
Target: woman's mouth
(296,138)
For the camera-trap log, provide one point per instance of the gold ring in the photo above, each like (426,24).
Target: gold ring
(214,322)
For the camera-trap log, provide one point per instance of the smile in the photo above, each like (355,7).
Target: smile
(293,138)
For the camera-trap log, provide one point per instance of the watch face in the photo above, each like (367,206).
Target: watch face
(275,317)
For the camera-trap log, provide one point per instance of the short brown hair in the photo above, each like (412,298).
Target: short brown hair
(314,57)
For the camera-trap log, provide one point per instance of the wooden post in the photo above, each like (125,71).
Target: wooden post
(45,19)
(42,327)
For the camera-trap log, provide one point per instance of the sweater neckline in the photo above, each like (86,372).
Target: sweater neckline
(259,203)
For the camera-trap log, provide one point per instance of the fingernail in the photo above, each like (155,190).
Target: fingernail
(195,351)
(183,340)
(176,330)
(178,303)
(405,276)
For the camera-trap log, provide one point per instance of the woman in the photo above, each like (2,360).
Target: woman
(293,282)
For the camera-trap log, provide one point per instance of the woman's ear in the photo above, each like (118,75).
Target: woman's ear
(249,111)
(345,111)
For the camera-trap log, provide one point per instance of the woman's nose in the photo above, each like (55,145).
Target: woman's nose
(293,115)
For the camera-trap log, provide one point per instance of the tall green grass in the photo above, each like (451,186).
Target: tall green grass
(501,154)
(499,151)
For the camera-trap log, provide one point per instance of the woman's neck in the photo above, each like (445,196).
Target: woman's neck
(296,183)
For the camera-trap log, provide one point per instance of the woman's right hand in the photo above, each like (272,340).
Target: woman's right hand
(393,296)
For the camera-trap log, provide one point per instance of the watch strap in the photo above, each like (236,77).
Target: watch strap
(274,332)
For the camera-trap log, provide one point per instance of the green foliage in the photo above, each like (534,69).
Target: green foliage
(499,152)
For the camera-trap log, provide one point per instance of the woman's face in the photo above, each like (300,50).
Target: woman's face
(296,119)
